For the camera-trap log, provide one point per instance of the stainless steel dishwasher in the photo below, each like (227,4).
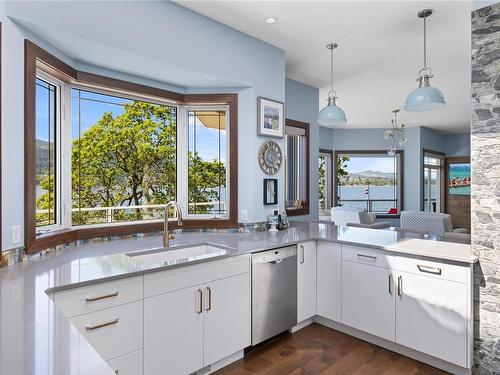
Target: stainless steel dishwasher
(274,292)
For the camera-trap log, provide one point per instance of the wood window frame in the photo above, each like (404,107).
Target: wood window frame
(35,58)
(332,192)
(303,125)
(401,154)
(442,191)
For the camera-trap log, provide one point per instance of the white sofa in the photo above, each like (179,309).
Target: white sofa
(355,217)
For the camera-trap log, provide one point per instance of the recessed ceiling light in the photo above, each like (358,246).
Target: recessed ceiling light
(270,20)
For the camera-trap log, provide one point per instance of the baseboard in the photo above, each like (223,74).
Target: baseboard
(301,325)
(221,363)
(430,360)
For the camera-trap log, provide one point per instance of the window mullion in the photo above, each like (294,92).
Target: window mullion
(182,168)
(65,160)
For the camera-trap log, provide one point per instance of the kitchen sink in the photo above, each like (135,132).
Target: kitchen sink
(176,255)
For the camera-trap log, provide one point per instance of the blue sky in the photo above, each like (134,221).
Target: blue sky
(361,164)
(94,105)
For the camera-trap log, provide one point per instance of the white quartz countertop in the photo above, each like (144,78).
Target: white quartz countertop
(36,339)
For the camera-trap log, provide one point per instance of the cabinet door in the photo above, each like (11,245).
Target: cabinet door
(306,279)
(368,299)
(431,317)
(226,317)
(329,280)
(173,332)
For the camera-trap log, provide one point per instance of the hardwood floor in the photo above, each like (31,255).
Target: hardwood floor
(319,350)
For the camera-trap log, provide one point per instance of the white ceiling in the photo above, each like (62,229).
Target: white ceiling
(379,54)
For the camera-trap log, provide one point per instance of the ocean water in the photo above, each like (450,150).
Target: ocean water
(374,192)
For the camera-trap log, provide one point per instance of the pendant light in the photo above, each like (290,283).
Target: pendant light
(425,97)
(331,114)
(392,134)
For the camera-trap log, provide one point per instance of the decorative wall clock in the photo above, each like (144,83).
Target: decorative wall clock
(270,157)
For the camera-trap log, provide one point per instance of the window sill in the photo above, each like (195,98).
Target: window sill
(61,236)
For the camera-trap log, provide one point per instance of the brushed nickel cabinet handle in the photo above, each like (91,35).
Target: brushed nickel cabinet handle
(102,325)
(390,283)
(209,307)
(429,269)
(93,299)
(200,301)
(302,255)
(367,256)
(400,285)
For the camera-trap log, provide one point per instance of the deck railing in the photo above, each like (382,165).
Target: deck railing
(155,210)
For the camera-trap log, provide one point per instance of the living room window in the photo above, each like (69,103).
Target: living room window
(325,179)
(433,179)
(369,180)
(105,156)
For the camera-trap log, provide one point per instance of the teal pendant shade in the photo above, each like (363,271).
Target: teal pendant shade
(424,98)
(331,115)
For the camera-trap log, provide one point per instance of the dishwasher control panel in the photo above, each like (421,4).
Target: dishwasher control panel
(274,254)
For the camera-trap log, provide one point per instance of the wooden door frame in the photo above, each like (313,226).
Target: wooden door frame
(443,190)
(332,178)
(447,162)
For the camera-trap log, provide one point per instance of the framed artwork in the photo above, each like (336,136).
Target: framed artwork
(459,178)
(270,117)
(270,191)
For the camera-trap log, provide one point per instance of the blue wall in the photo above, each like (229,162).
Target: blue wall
(173,46)
(457,145)
(419,138)
(302,105)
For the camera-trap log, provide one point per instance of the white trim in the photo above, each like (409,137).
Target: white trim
(182,184)
(40,74)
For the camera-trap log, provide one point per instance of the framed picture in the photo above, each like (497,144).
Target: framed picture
(459,178)
(270,191)
(270,117)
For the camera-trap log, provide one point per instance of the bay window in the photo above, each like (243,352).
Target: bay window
(104,156)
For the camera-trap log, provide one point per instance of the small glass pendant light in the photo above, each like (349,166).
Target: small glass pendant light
(391,134)
(331,114)
(425,97)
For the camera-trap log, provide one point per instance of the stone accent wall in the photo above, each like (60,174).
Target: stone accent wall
(485,160)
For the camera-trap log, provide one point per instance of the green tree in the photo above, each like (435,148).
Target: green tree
(204,179)
(322,185)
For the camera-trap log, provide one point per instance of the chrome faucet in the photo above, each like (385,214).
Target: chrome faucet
(169,236)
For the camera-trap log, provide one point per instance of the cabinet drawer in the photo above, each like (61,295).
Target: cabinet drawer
(114,331)
(440,270)
(127,364)
(87,299)
(201,273)
(367,255)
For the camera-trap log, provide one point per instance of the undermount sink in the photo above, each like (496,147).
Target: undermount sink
(176,255)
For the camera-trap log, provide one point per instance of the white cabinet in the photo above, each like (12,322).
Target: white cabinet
(226,317)
(127,364)
(188,329)
(114,331)
(368,299)
(173,332)
(329,280)
(306,280)
(432,316)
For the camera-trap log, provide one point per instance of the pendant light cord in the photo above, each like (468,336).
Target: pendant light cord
(331,70)
(425,42)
